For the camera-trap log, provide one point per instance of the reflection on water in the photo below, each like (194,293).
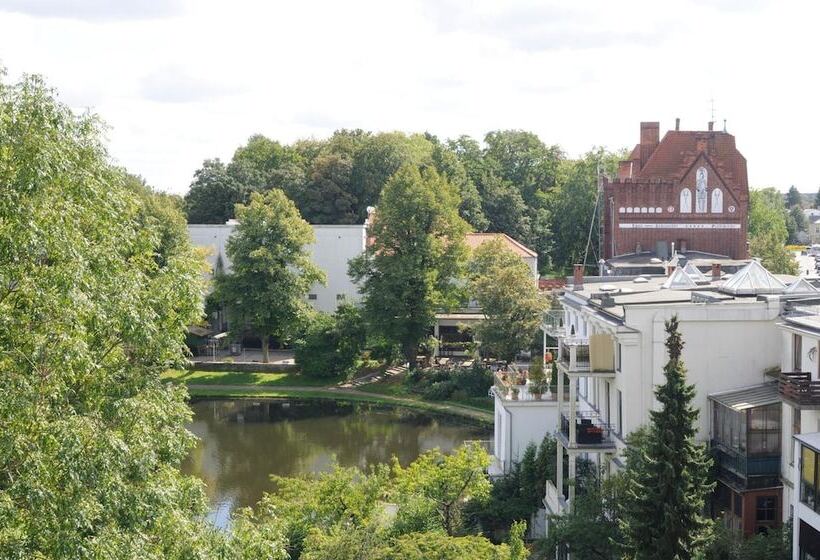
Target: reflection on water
(243,441)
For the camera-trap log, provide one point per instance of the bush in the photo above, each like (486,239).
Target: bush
(439,390)
(331,344)
(444,383)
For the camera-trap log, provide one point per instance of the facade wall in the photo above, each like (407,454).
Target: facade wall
(519,423)
(333,248)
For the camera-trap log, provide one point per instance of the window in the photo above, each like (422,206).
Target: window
(717,201)
(795,431)
(620,412)
(686,201)
(764,430)
(618,357)
(797,352)
(608,404)
(766,508)
(808,477)
(340,297)
(312,297)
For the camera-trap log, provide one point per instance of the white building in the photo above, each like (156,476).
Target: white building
(334,247)
(611,340)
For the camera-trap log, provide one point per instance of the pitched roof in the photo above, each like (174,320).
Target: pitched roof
(679,280)
(679,149)
(475,240)
(748,397)
(694,273)
(800,286)
(753,279)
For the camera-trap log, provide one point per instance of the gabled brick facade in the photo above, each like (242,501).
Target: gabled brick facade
(690,188)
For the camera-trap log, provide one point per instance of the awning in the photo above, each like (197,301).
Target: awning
(748,397)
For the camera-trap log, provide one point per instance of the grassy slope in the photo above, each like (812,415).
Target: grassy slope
(395,388)
(255,379)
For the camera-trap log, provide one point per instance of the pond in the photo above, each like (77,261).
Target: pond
(243,441)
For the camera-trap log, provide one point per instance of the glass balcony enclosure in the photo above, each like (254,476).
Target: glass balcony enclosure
(746,442)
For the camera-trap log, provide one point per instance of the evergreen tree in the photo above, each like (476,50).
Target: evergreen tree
(817,199)
(667,474)
(793,198)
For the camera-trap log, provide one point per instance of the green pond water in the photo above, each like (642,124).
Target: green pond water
(244,441)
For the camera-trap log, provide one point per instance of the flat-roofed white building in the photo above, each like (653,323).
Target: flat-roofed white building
(333,248)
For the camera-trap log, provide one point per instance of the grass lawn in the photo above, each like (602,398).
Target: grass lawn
(256,379)
(394,387)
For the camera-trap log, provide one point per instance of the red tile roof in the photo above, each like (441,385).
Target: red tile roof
(473,240)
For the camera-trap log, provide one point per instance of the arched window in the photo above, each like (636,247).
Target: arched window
(685,201)
(717,201)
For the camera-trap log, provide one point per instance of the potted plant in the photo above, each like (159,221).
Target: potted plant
(538,381)
(514,392)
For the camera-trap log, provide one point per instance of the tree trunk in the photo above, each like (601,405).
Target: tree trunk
(410,351)
(265,349)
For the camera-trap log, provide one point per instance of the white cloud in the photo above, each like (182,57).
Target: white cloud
(179,83)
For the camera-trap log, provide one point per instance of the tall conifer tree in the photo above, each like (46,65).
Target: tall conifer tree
(667,474)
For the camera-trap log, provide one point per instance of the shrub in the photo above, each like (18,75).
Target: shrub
(439,390)
(330,344)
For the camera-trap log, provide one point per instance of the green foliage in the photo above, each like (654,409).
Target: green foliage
(441,383)
(793,198)
(667,475)
(776,544)
(817,199)
(438,546)
(518,494)
(213,194)
(443,483)
(272,271)
(418,251)
(773,254)
(343,496)
(331,344)
(97,287)
(767,214)
(505,289)
(796,223)
(517,549)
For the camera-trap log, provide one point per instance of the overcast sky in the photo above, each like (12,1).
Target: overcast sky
(180,81)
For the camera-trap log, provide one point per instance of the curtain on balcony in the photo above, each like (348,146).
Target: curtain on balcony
(601,352)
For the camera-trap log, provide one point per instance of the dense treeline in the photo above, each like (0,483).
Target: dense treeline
(512,183)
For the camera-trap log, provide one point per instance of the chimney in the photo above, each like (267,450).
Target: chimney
(716,271)
(650,137)
(711,126)
(677,123)
(578,277)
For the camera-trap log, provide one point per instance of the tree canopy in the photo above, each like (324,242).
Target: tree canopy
(98,285)
(505,288)
(418,252)
(769,231)
(272,272)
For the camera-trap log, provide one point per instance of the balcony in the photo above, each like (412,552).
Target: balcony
(742,465)
(553,323)
(573,355)
(798,389)
(590,432)
(554,500)
(509,387)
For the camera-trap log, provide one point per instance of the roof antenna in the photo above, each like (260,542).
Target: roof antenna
(724,125)
(712,101)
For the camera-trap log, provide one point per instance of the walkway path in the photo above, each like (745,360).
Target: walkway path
(446,408)
(374,377)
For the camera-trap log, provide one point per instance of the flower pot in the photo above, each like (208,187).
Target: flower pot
(535,395)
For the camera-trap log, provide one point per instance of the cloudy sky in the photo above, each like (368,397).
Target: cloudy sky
(179,81)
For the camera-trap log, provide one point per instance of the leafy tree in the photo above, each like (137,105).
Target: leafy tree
(378,159)
(438,546)
(667,473)
(443,483)
(775,544)
(505,288)
(793,198)
(767,214)
(798,221)
(271,269)
(448,165)
(94,305)
(773,254)
(213,194)
(418,251)
(521,158)
(326,198)
(263,163)
(590,529)
(331,343)
(817,199)
(572,206)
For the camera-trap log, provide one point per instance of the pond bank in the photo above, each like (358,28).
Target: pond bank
(336,393)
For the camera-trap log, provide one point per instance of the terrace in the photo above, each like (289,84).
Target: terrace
(590,432)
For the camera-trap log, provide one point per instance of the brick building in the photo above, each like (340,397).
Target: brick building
(689,188)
